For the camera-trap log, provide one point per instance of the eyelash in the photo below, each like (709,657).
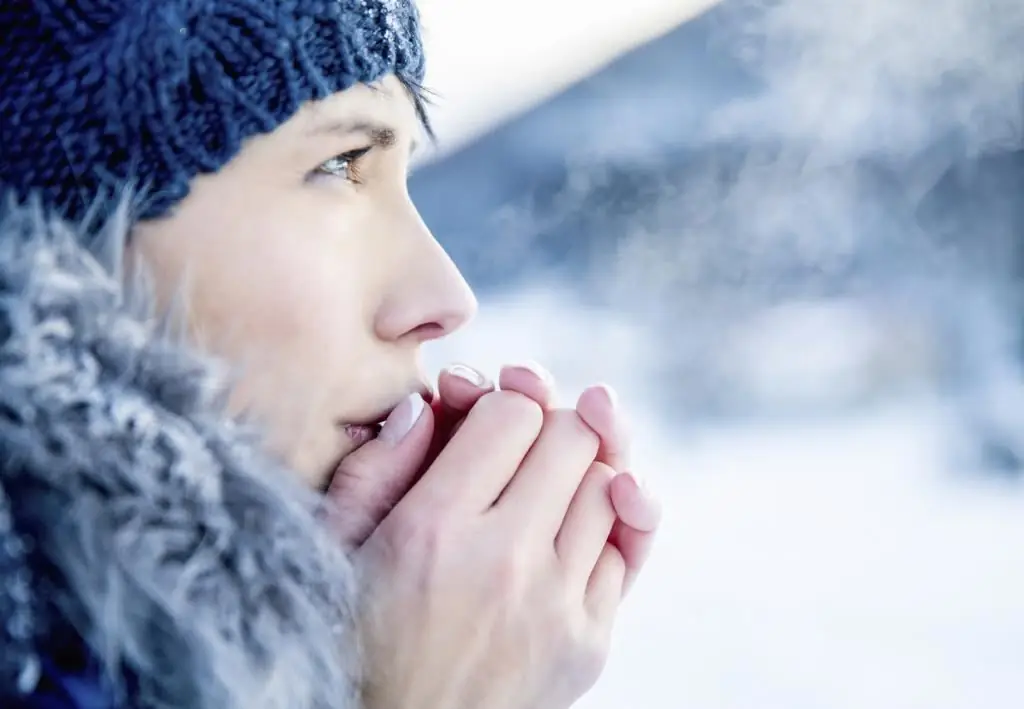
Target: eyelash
(348,162)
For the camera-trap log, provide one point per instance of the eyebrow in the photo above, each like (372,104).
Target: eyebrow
(382,136)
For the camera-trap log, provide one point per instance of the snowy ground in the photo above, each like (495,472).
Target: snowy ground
(829,564)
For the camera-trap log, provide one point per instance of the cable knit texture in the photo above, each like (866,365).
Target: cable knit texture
(136,519)
(99,94)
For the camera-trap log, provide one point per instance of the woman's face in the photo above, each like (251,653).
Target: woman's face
(305,264)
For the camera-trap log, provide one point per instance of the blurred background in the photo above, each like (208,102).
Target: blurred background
(790,234)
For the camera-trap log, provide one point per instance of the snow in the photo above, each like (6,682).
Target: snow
(832,563)
(824,565)
(840,561)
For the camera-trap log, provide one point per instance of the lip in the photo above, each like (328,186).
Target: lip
(381,416)
(361,433)
(362,430)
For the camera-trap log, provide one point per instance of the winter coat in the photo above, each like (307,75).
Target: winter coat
(151,556)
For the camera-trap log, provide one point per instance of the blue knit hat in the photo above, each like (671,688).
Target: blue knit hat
(99,95)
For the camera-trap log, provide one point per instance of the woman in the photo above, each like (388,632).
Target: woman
(206,221)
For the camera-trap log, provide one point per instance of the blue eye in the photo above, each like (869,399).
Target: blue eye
(344,165)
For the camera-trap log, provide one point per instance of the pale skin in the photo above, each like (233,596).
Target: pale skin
(305,265)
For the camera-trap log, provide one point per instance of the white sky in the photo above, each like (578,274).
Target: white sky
(492,58)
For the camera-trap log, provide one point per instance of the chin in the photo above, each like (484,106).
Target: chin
(347,439)
(314,461)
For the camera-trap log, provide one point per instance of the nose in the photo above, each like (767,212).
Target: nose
(428,298)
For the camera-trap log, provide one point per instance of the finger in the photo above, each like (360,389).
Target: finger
(639,515)
(634,504)
(458,388)
(551,473)
(372,479)
(587,525)
(598,406)
(604,591)
(476,465)
(530,380)
(635,548)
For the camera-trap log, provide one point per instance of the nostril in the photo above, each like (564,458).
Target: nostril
(428,331)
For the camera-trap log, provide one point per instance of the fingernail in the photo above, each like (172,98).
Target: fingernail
(613,396)
(543,374)
(468,374)
(401,420)
(647,517)
(640,484)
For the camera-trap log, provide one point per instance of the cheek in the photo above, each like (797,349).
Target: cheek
(270,293)
(288,302)
(290,306)
(295,324)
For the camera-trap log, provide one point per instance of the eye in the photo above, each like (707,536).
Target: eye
(344,165)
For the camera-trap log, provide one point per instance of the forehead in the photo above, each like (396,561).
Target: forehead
(387,101)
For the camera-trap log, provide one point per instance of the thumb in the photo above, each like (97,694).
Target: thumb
(372,479)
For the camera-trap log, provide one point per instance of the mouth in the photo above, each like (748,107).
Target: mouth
(356,435)
(359,433)
(362,432)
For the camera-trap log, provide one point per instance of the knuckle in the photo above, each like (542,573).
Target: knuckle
(573,435)
(562,605)
(596,490)
(355,469)
(584,650)
(512,572)
(415,536)
(612,557)
(513,407)
(591,657)
(601,473)
(567,422)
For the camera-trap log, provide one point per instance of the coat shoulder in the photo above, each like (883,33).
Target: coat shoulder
(134,513)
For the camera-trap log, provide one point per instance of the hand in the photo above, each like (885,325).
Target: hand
(639,512)
(491,583)
(372,480)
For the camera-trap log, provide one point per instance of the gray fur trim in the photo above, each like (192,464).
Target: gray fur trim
(134,511)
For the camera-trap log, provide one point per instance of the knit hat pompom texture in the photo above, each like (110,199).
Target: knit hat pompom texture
(100,95)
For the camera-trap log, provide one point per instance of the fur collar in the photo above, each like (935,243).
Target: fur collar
(133,512)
